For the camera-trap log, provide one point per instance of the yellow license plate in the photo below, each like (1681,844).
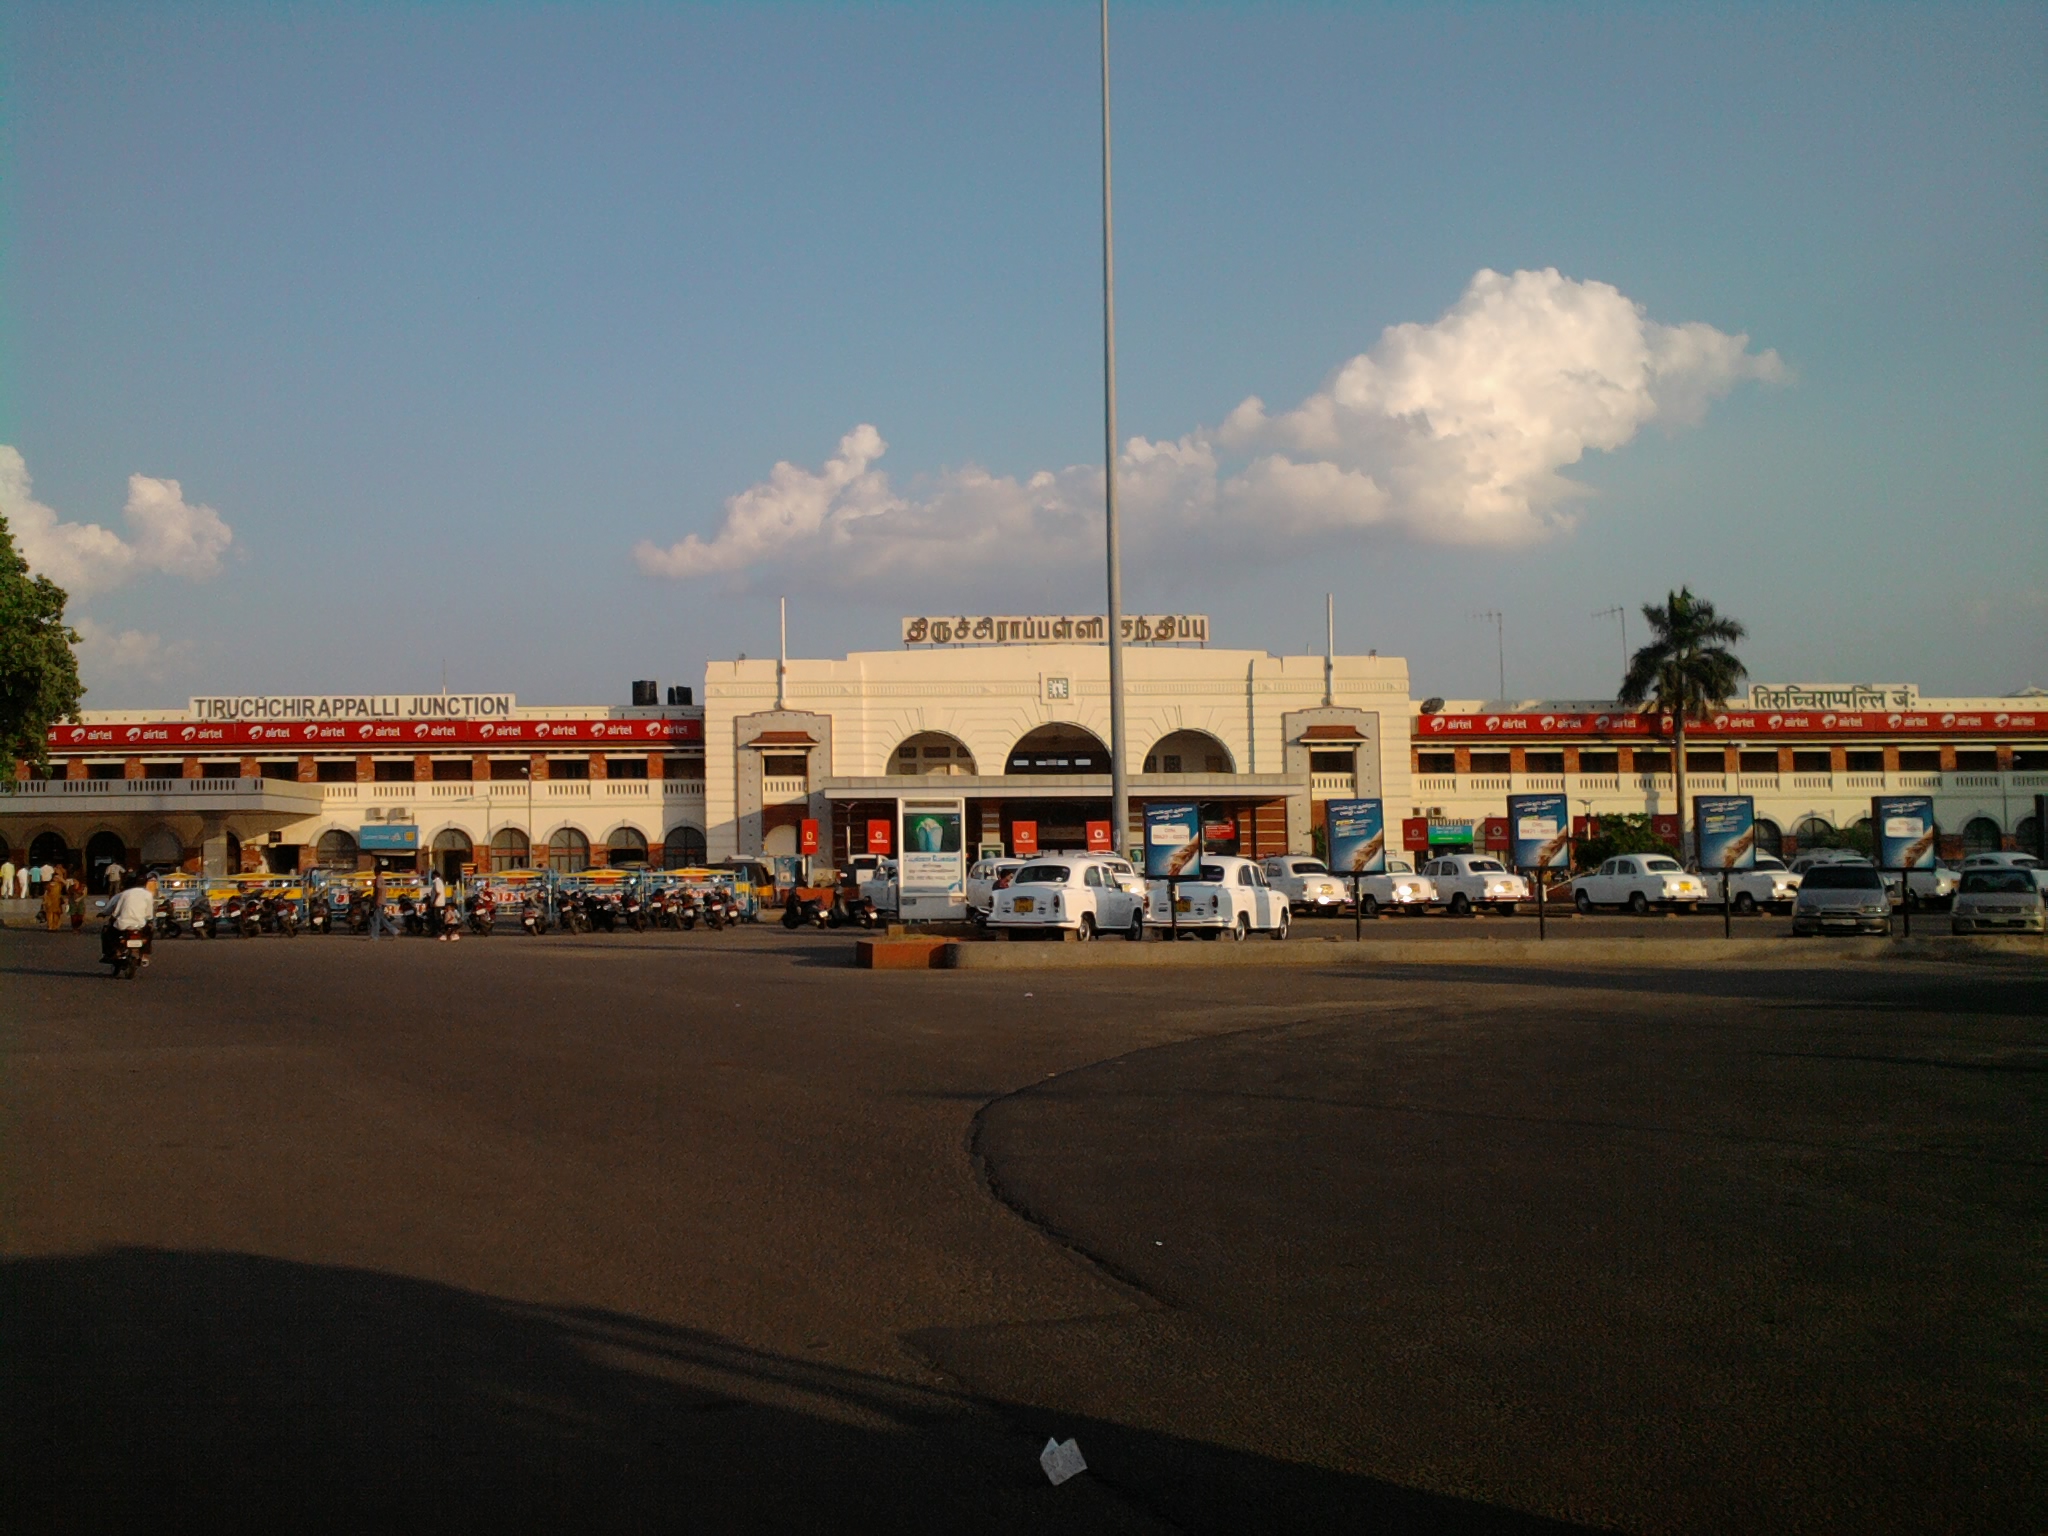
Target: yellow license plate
(1024,904)
(1182,904)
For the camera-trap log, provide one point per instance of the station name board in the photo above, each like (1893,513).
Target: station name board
(355,706)
(1739,723)
(1824,696)
(183,735)
(1053,629)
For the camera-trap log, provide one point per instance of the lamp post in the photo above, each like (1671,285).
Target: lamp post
(1119,783)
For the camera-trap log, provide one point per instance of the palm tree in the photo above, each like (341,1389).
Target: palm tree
(1684,672)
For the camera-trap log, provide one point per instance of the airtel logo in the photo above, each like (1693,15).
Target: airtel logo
(1493,722)
(488,732)
(1827,719)
(1436,722)
(1948,719)
(2000,719)
(1892,720)
(1548,721)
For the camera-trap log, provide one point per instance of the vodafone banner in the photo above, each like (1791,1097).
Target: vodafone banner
(184,735)
(1731,723)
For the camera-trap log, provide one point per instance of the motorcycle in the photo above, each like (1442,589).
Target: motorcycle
(126,951)
(719,909)
(248,920)
(201,918)
(630,909)
(603,913)
(167,924)
(411,918)
(799,910)
(277,915)
(359,915)
(685,909)
(531,918)
(319,916)
(850,909)
(483,914)
(570,915)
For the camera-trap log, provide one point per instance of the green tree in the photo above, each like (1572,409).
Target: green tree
(38,672)
(1684,672)
(1616,834)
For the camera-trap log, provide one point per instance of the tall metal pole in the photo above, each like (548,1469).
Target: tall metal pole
(1119,781)
(1330,650)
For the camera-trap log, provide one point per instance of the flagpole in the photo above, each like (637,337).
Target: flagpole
(1119,782)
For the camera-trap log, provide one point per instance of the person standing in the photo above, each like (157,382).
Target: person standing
(6,877)
(114,875)
(74,896)
(53,904)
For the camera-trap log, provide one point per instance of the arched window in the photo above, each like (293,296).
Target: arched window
(509,849)
(1770,837)
(626,847)
(452,850)
(569,852)
(1059,748)
(1812,832)
(102,849)
(931,752)
(335,850)
(2028,834)
(1195,752)
(234,853)
(1980,835)
(684,849)
(51,849)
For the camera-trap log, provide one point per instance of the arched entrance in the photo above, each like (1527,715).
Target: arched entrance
(234,846)
(780,843)
(2028,835)
(1188,752)
(931,752)
(162,849)
(1980,835)
(102,849)
(335,850)
(510,849)
(1770,837)
(1059,748)
(568,852)
(626,848)
(1812,832)
(51,849)
(452,850)
(685,848)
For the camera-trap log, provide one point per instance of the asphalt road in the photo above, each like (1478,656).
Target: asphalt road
(708,1231)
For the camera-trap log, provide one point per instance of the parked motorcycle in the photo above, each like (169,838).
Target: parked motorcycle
(603,912)
(167,924)
(319,916)
(571,916)
(412,917)
(687,909)
(850,909)
(631,911)
(531,918)
(799,910)
(201,918)
(359,912)
(483,914)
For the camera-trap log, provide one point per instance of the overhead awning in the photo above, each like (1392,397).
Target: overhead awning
(784,739)
(1333,733)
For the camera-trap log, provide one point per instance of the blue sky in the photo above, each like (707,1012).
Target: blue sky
(445,311)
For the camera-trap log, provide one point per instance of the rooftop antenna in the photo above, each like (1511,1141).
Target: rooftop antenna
(1621,613)
(1119,782)
(782,656)
(1500,642)
(1329,650)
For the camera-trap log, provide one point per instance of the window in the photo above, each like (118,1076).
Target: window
(104,771)
(1490,762)
(1093,876)
(510,769)
(453,770)
(335,850)
(162,770)
(1769,834)
(280,768)
(1706,762)
(568,768)
(908,752)
(569,851)
(1653,762)
(1759,762)
(1920,760)
(684,849)
(332,771)
(795,766)
(2030,759)
(1436,762)
(1978,760)
(1980,835)
(1811,831)
(509,849)
(625,767)
(1333,762)
(222,769)
(1866,761)
(939,751)
(1545,762)
(1599,762)
(1172,763)
(626,847)
(1244,874)
(682,767)
(1812,762)
(390,772)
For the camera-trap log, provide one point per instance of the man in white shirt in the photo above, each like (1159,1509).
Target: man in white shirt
(133,911)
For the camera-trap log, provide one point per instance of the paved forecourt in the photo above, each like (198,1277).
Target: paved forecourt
(636,1229)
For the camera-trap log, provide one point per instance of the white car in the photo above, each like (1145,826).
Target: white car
(2008,859)
(984,878)
(1069,892)
(1399,887)
(1467,880)
(1929,886)
(1998,898)
(1228,895)
(1639,881)
(1768,884)
(1308,884)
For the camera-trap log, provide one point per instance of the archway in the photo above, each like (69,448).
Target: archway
(234,846)
(452,850)
(1188,752)
(2028,835)
(1770,837)
(568,852)
(163,849)
(779,843)
(510,849)
(1059,748)
(335,850)
(626,847)
(685,848)
(1980,835)
(931,752)
(1812,832)
(102,849)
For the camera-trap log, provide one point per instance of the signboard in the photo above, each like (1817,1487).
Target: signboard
(931,864)
(369,706)
(1173,840)
(1415,834)
(1450,834)
(1099,840)
(388,837)
(1357,830)
(807,836)
(1024,838)
(1539,831)
(1915,721)
(881,836)
(1902,826)
(1769,696)
(1665,829)
(370,735)
(1726,827)
(1495,833)
(1053,629)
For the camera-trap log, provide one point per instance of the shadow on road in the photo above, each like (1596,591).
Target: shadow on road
(154,1389)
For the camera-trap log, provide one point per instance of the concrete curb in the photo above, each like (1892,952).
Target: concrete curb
(1111,954)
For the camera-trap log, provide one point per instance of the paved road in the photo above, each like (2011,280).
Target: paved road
(708,1230)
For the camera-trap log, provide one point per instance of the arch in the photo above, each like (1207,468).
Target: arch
(335,850)
(234,846)
(1188,751)
(780,842)
(684,848)
(1980,835)
(1812,831)
(931,752)
(510,849)
(2028,834)
(163,848)
(1058,747)
(626,846)
(451,850)
(53,849)
(1770,837)
(102,849)
(568,851)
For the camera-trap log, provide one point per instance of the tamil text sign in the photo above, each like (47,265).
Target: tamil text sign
(1902,827)
(1358,836)
(1053,629)
(1727,831)
(1539,831)
(1173,840)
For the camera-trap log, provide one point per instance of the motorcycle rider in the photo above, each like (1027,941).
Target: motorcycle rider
(133,911)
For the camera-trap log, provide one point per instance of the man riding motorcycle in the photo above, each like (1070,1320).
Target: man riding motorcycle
(129,916)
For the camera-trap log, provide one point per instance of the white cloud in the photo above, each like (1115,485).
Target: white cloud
(1454,432)
(128,655)
(167,534)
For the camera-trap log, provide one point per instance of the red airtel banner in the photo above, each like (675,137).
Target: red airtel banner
(1900,722)
(191,736)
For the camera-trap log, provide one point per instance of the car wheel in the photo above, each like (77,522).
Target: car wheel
(1369,907)
(1136,932)
(1583,902)
(1241,929)
(1461,905)
(1280,931)
(1639,904)
(1087,929)
(1745,904)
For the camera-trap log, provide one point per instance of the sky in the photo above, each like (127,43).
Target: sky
(542,348)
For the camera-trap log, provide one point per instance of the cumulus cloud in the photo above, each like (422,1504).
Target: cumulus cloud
(165,533)
(129,655)
(1455,432)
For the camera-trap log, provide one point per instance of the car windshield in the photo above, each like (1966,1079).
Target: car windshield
(1310,867)
(1213,873)
(1842,877)
(1986,880)
(1041,874)
(1764,861)
(1659,866)
(1485,867)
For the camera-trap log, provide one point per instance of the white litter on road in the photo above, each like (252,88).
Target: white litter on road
(1061,1460)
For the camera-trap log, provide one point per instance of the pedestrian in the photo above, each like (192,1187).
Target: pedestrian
(379,923)
(74,896)
(53,905)
(113,874)
(6,877)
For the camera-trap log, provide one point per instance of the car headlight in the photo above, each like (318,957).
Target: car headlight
(1874,909)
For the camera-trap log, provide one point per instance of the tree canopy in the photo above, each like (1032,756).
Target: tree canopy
(1687,669)
(39,682)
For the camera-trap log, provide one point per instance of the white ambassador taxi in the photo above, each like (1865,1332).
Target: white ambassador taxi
(1467,880)
(1226,895)
(1086,894)
(1399,888)
(1307,884)
(1639,881)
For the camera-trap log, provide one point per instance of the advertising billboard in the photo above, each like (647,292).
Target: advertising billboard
(1098,838)
(1023,838)
(388,837)
(1726,826)
(1173,840)
(880,836)
(1902,827)
(807,836)
(931,861)
(1539,831)
(1357,830)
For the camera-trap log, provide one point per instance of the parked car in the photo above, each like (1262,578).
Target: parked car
(1308,885)
(2007,859)
(1998,898)
(1640,882)
(1842,897)
(985,877)
(1464,881)
(1768,884)
(1929,887)
(1070,892)
(1228,895)
(1399,887)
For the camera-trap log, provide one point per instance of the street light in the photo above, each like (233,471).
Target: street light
(1119,785)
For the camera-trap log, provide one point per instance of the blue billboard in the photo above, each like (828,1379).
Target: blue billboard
(1902,828)
(388,837)
(1539,831)
(1727,831)
(1173,840)
(1358,836)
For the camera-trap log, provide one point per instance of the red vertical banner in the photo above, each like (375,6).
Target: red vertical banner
(881,836)
(1665,829)
(1415,833)
(1098,837)
(1496,832)
(807,836)
(1023,838)
(1585,828)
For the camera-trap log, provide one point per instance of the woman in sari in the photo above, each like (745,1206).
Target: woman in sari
(53,902)
(74,893)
